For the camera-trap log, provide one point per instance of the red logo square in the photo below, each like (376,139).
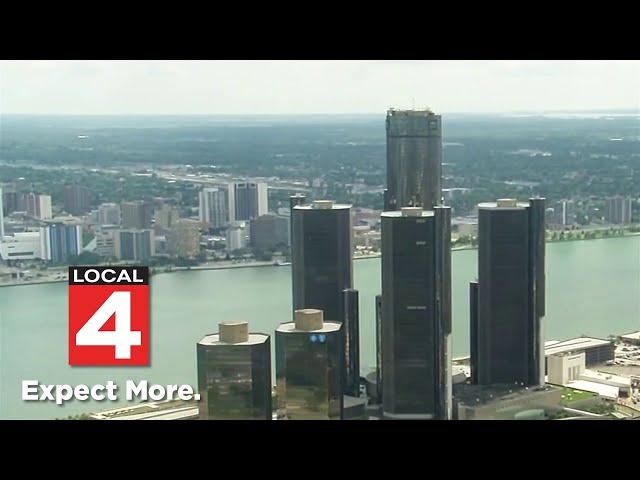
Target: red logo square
(108,316)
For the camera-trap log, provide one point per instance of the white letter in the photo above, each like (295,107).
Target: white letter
(63,393)
(75,277)
(134,390)
(110,279)
(124,276)
(94,392)
(92,271)
(81,392)
(111,390)
(156,392)
(185,392)
(30,390)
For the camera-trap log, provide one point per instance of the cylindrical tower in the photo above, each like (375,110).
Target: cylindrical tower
(234,374)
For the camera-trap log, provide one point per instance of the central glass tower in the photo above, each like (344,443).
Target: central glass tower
(415,330)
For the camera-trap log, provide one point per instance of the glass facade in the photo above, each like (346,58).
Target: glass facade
(506,330)
(309,367)
(135,245)
(416,315)
(64,241)
(234,380)
(322,274)
(414,159)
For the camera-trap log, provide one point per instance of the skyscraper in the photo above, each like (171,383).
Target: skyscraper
(416,313)
(414,159)
(109,214)
(247,200)
(38,205)
(309,367)
(234,374)
(565,212)
(294,200)
(378,392)
(77,199)
(1,215)
(322,271)
(297,199)
(106,240)
(213,207)
(60,241)
(137,214)
(134,244)
(10,200)
(618,210)
(269,231)
(165,217)
(183,240)
(507,343)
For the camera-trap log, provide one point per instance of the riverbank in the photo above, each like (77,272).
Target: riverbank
(254,263)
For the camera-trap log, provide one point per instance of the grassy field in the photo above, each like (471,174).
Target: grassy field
(569,396)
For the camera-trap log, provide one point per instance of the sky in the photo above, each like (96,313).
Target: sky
(314,86)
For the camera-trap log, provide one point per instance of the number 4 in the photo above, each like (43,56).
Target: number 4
(118,303)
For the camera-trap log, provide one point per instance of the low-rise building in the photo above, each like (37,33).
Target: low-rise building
(21,246)
(596,350)
(237,236)
(504,402)
(563,368)
(632,338)
(623,384)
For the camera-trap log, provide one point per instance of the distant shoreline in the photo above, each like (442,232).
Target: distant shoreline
(257,264)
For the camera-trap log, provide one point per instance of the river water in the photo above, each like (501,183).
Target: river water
(593,288)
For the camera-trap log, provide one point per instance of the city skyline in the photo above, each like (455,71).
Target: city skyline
(317,360)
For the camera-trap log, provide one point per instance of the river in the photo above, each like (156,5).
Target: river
(593,288)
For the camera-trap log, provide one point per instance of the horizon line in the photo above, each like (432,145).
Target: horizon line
(487,112)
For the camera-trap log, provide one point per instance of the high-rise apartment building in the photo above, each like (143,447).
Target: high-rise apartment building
(618,210)
(165,217)
(416,313)
(37,205)
(135,245)
(508,300)
(183,240)
(109,214)
(77,199)
(60,241)
(9,201)
(247,200)
(234,374)
(268,232)
(106,240)
(414,159)
(213,210)
(565,213)
(137,214)
(1,214)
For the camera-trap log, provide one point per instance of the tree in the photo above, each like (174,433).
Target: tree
(85,258)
